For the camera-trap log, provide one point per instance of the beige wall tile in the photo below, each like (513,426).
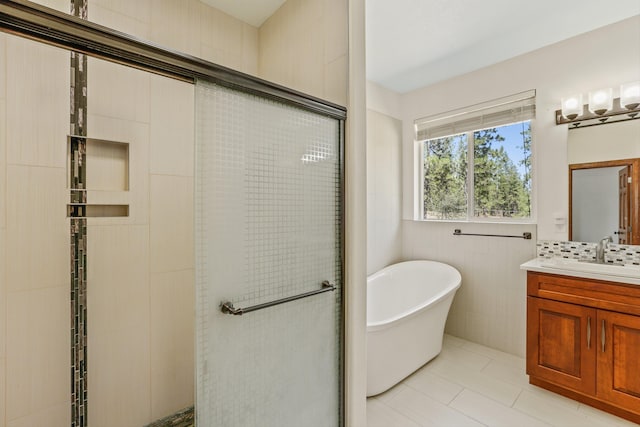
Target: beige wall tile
(221,56)
(139,10)
(109,166)
(136,134)
(172,342)
(60,5)
(53,416)
(335,80)
(477,313)
(176,24)
(221,36)
(3,65)
(118,319)
(121,18)
(171,223)
(250,49)
(38,342)
(293,56)
(217,28)
(37,228)
(114,129)
(117,91)
(271,59)
(172,127)
(38,92)
(3,296)
(307,46)
(336,28)
(3,163)
(2,392)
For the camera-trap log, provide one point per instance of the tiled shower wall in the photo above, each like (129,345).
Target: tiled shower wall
(36,125)
(140,267)
(77,175)
(140,272)
(304,46)
(140,277)
(153,248)
(3,225)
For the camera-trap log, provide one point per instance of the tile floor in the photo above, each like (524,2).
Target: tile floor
(472,385)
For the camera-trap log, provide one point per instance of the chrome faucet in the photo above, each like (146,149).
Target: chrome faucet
(601,248)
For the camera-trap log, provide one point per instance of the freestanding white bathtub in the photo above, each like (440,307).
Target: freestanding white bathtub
(407,307)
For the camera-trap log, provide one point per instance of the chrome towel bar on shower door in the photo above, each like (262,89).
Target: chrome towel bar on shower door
(228,308)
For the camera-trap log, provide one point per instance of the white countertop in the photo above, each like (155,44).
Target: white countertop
(567,267)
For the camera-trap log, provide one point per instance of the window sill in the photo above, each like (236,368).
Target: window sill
(478,221)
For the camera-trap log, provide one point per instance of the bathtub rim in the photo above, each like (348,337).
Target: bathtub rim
(417,309)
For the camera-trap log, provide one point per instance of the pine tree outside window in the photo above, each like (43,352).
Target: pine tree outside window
(483,171)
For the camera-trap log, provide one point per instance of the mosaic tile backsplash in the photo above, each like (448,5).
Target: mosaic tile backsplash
(614,254)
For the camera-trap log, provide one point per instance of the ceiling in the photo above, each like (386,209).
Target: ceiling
(415,43)
(253,12)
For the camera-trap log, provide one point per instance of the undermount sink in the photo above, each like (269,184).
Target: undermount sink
(589,267)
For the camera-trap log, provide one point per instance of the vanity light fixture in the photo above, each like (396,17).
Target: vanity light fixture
(630,96)
(572,107)
(602,108)
(601,101)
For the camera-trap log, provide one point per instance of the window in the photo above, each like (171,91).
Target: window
(480,172)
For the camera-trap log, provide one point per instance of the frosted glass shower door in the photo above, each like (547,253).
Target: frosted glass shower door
(268,227)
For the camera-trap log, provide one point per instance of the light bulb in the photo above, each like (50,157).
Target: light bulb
(630,95)
(572,106)
(600,101)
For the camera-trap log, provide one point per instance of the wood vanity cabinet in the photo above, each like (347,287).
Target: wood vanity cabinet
(583,340)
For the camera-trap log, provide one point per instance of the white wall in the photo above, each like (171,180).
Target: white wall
(356,230)
(384,190)
(614,141)
(490,307)
(383,100)
(384,184)
(602,58)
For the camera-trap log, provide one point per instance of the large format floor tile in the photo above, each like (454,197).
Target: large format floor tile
(472,385)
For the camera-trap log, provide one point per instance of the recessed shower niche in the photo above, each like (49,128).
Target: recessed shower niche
(98,170)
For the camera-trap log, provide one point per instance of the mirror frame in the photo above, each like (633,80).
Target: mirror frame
(635,192)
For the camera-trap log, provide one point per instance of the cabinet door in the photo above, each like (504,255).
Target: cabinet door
(561,343)
(619,359)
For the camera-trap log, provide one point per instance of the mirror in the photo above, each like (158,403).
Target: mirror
(604,182)
(603,201)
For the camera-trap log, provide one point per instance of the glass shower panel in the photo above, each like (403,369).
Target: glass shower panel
(268,226)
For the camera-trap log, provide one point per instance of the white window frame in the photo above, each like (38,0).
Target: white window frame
(486,115)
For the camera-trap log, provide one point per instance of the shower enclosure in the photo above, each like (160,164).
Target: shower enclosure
(268,231)
(268,217)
